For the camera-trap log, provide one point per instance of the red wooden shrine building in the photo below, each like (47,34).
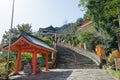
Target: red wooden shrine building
(30,44)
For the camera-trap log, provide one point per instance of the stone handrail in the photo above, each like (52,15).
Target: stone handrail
(88,54)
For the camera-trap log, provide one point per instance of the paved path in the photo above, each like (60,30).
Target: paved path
(67,74)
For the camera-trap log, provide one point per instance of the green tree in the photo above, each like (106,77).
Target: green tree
(79,21)
(47,40)
(24,27)
(104,14)
(16,32)
(85,37)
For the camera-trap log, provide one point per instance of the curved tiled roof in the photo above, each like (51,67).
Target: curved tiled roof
(34,40)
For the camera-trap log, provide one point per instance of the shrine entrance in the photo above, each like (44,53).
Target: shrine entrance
(30,44)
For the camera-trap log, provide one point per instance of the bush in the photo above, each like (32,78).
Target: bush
(2,68)
(113,55)
(103,63)
(11,65)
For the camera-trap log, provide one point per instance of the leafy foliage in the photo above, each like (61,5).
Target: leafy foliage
(16,32)
(113,55)
(105,15)
(25,58)
(2,68)
(47,40)
(84,36)
(79,21)
(11,66)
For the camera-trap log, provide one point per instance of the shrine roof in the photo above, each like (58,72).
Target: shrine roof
(34,40)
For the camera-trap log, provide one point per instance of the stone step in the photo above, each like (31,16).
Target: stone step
(68,59)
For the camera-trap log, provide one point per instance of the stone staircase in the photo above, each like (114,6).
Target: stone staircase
(69,59)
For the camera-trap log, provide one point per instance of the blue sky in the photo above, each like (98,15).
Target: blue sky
(38,13)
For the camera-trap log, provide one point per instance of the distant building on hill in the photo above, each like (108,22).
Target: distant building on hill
(87,25)
(47,31)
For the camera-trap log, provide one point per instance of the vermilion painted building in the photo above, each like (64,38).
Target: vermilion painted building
(28,43)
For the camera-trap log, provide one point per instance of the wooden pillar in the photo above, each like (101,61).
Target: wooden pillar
(17,62)
(46,61)
(52,55)
(34,61)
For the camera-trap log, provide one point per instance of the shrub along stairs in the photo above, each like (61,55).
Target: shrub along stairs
(69,59)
